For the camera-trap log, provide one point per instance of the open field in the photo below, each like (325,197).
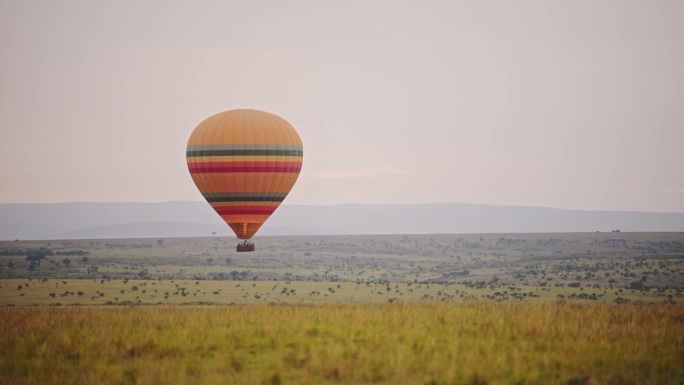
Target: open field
(599,308)
(480,343)
(594,268)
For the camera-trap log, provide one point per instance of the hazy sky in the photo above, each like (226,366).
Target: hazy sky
(568,104)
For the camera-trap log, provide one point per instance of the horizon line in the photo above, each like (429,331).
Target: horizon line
(356,204)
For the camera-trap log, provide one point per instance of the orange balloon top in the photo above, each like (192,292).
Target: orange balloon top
(244,162)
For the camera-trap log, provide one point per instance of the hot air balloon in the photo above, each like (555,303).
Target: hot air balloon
(244,162)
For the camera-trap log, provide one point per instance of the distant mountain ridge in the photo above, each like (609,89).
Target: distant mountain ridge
(192,219)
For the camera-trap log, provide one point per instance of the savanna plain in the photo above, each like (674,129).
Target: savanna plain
(593,308)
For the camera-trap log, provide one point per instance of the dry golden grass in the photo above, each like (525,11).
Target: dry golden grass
(388,344)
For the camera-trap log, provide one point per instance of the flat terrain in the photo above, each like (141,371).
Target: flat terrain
(598,308)
(578,267)
(482,343)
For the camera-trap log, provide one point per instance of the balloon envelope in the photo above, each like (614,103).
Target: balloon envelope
(244,162)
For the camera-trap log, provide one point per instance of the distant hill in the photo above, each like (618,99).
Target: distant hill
(191,219)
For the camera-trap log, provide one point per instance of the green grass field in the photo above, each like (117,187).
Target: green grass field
(599,308)
(384,344)
(618,268)
(62,292)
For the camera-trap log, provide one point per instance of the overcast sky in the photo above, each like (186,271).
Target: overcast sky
(567,104)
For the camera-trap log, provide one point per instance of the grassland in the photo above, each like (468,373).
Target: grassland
(592,268)
(600,308)
(383,344)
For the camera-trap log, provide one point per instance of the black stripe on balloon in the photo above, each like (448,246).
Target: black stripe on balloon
(216,199)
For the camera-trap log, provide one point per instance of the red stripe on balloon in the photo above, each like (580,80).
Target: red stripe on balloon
(218,167)
(232,210)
